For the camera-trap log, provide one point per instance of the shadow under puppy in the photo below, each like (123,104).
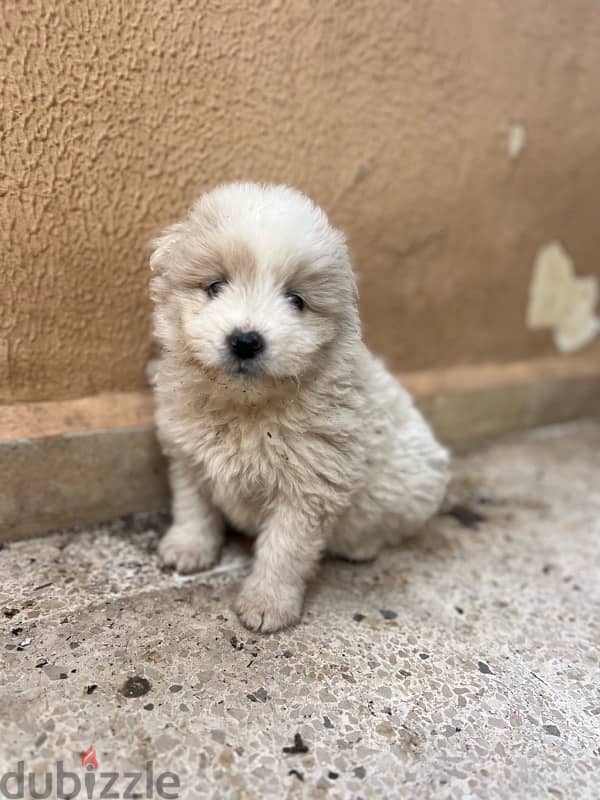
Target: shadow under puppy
(273,413)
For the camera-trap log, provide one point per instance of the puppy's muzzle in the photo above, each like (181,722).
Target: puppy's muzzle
(245,345)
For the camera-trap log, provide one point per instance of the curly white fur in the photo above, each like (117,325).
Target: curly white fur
(312,445)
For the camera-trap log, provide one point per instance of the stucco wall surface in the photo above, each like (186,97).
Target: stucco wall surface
(395,115)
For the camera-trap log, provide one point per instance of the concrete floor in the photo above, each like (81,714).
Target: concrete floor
(464,665)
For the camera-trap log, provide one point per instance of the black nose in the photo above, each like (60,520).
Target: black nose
(246,345)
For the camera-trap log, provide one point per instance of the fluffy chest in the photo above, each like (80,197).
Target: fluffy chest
(250,461)
(248,467)
(255,460)
(246,456)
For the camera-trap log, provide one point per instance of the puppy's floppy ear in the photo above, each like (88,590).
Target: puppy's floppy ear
(165,253)
(164,248)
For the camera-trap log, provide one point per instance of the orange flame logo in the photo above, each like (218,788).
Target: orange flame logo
(89,758)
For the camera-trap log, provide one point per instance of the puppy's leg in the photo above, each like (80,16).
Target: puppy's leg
(194,540)
(287,553)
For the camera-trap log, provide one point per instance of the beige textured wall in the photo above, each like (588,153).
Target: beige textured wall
(393,114)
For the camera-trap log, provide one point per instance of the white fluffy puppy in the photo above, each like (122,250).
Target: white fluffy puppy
(272,411)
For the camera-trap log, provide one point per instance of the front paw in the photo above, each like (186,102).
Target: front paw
(188,549)
(268,611)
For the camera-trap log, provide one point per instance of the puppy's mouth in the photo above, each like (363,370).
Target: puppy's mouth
(243,369)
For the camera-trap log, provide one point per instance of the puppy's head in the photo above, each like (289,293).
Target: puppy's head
(254,284)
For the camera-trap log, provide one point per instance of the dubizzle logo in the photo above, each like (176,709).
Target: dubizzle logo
(163,785)
(89,758)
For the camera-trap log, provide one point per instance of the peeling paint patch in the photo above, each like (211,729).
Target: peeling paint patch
(517,137)
(558,299)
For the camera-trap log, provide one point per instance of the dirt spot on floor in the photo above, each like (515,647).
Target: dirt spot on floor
(135,687)
(466,516)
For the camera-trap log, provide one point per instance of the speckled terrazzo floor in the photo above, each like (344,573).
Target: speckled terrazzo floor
(464,665)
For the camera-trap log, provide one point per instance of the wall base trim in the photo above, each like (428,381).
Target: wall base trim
(81,461)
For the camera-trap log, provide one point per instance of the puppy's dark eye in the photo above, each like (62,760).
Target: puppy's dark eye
(295,300)
(214,289)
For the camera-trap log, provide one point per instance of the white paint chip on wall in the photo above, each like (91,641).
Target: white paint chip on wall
(558,299)
(517,137)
